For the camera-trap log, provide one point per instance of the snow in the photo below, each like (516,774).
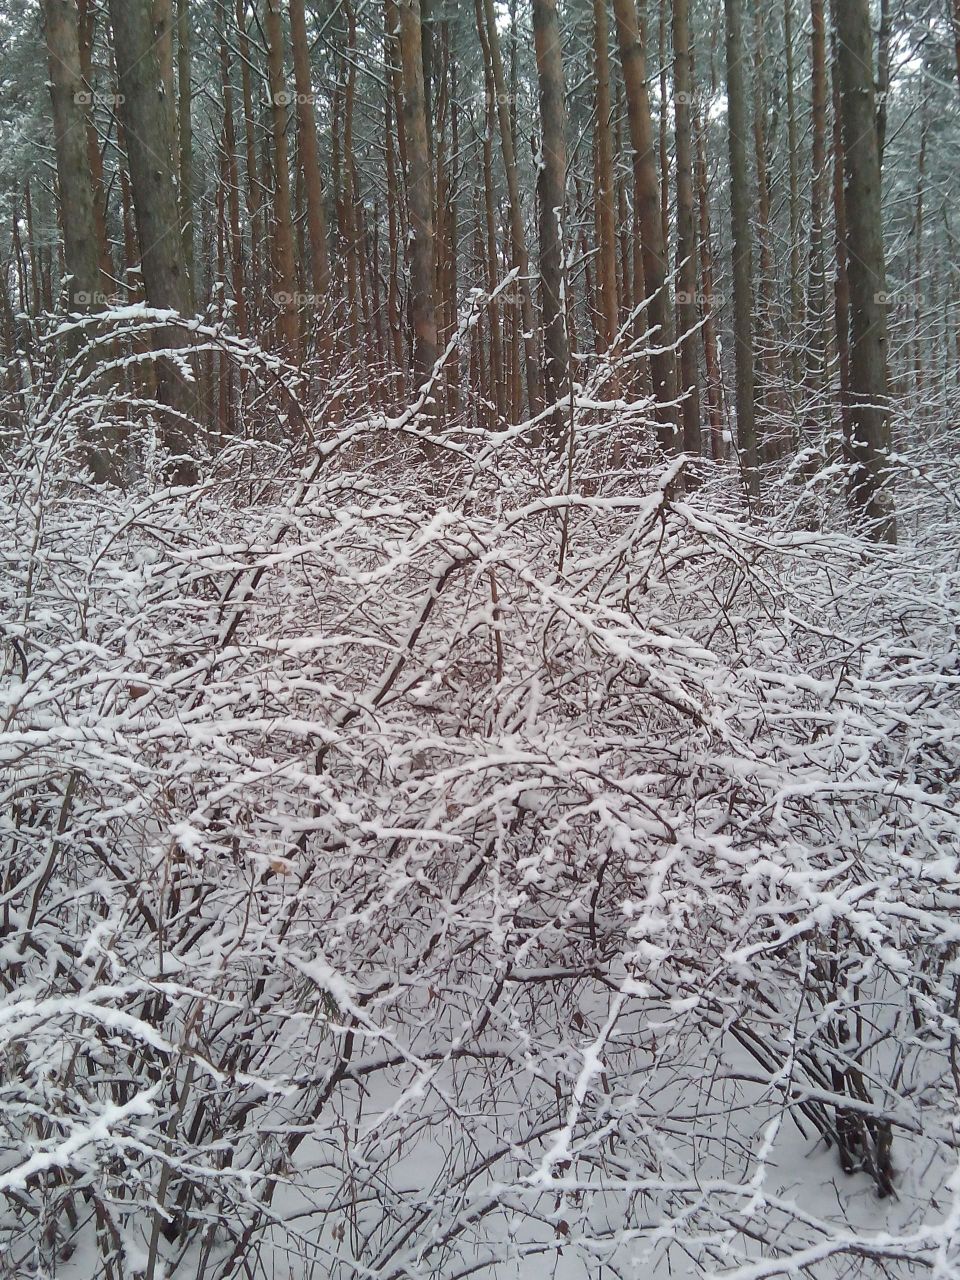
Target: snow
(380,900)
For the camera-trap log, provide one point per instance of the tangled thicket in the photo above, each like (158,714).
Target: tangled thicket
(410,868)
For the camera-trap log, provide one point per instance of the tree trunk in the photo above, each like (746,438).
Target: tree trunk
(77,214)
(662,121)
(918,271)
(185,138)
(623,215)
(490,41)
(309,153)
(742,249)
(796,285)
(285,296)
(551,195)
(498,389)
(816,304)
(883,76)
(393,208)
(647,188)
(419,195)
(711,357)
(869,408)
(232,177)
(146,121)
(87,16)
(686,234)
(254,190)
(841,292)
(162,18)
(82,244)
(606,218)
(348,196)
(767,364)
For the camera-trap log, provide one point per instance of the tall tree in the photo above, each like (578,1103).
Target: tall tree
(796,285)
(68,95)
(309,151)
(254,186)
(647,189)
(419,194)
(816,298)
(883,75)
(841,287)
(150,146)
(866,270)
(162,18)
(742,248)
(551,201)
(82,245)
(606,218)
(285,264)
(686,233)
(87,13)
(711,354)
(497,84)
(232,174)
(185,141)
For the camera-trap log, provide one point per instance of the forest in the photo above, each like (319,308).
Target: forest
(479,639)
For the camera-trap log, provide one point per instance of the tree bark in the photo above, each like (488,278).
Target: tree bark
(77,213)
(309,153)
(232,176)
(686,233)
(647,189)
(87,16)
(606,218)
(162,16)
(285,296)
(883,76)
(185,140)
(147,128)
(816,303)
(83,247)
(767,362)
(796,284)
(841,291)
(662,121)
(394,218)
(551,196)
(711,357)
(869,407)
(254,189)
(423,311)
(498,388)
(490,41)
(742,247)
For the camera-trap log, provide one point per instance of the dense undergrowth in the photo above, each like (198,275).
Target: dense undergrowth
(418,864)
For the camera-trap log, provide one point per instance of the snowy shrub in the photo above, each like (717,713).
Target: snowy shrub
(414,867)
